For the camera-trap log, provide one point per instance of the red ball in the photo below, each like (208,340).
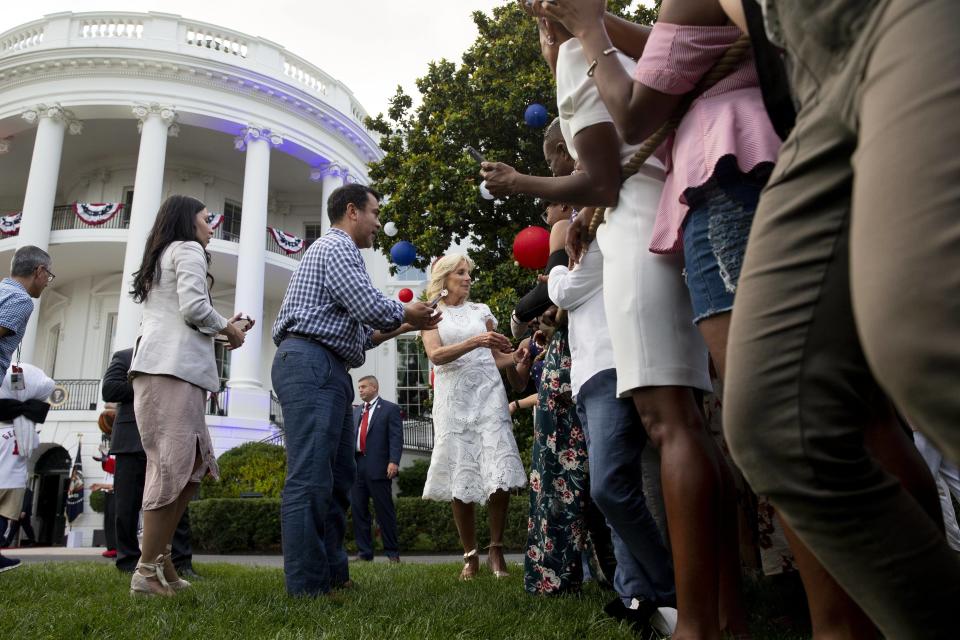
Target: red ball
(405,295)
(531,247)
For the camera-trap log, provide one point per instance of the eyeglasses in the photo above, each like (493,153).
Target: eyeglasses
(50,274)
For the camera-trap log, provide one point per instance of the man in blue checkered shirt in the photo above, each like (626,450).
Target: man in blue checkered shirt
(331,314)
(29,276)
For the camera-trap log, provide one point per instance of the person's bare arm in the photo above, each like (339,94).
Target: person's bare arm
(440,354)
(627,36)
(598,147)
(637,110)
(379,337)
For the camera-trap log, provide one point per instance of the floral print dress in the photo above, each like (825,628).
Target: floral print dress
(559,484)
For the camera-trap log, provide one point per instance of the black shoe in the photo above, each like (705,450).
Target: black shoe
(638,619)
(188,573)
(361,559)
(8,563)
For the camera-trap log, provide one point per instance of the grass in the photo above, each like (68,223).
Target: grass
(80,600)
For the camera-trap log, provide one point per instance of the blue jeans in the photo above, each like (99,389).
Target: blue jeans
(615,441)
(715,236)
(315,393)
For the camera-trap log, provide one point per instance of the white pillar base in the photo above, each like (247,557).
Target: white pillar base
(248,403)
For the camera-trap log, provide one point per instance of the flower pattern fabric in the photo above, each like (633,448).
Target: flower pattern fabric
(556,532)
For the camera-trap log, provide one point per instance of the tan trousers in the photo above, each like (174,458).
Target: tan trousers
(850,293)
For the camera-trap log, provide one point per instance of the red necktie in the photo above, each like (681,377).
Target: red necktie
(363,427)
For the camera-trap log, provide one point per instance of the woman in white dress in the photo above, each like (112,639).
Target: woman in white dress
(475,457)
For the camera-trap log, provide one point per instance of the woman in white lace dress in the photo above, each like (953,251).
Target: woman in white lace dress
(475,457)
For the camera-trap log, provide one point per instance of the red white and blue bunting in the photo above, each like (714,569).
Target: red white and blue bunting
(96,213)
(287,241)
(10,225)
(215,220)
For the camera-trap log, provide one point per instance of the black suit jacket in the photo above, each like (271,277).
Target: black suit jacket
(384,438)
(117,388)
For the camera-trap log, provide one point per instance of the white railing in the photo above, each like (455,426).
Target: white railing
(170,33)
(297,72)
(20,40)
(216,40)
(111,27)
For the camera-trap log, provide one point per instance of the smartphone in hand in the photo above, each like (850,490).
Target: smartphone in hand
(476,155)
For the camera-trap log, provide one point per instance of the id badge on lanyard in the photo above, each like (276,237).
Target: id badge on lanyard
(17,381)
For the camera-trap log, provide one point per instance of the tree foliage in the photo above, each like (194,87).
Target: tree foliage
(432,185)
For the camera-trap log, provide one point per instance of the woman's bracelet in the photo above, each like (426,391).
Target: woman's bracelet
(593,65)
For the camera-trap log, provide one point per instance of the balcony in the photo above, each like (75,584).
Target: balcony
(84,395)
(66,219)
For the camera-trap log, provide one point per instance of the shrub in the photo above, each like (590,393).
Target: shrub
(254,467)
(411,479)
(98,501)
(228,525)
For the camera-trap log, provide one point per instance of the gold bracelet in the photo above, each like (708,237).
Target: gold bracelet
(593,65)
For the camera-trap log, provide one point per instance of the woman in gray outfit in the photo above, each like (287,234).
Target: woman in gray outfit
(173,368)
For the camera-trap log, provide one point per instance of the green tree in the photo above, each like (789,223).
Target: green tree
(432,185)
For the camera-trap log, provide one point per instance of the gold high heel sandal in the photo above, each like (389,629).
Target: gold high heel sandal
(498,573)
(152,584)
(469,573)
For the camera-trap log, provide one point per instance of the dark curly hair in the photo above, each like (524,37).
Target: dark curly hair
(175,221)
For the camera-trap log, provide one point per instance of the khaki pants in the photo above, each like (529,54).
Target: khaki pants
(11,504)
(850,293)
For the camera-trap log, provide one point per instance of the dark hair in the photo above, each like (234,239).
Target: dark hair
(355,194)
(374,378)
(175,221)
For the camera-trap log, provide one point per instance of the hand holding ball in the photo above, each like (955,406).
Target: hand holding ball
(484,193)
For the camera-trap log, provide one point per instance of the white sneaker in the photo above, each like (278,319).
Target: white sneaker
(664,620)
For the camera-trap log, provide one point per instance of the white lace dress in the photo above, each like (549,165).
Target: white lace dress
(474,451)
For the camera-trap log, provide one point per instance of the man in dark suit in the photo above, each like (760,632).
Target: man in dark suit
(379,444)
(131,471)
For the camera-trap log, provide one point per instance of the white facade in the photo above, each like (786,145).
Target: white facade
(96,106)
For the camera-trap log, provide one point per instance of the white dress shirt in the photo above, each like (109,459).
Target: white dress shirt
(580,292)
(373,406)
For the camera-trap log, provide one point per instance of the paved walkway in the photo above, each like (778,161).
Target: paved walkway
(62,554)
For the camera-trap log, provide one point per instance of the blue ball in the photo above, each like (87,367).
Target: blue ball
(403,253)
(535,116)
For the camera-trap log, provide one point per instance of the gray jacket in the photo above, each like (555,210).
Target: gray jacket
(168,344)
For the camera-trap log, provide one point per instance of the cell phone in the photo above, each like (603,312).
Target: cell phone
(433,303)
(476,155)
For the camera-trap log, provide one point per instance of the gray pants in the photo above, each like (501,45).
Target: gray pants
(850,293)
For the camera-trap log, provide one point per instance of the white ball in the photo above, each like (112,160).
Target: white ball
(486,195)
(390,228)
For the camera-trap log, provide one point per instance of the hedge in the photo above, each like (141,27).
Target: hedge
(254,467)
(252,525)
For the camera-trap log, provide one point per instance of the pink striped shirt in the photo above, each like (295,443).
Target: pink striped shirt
(729,119)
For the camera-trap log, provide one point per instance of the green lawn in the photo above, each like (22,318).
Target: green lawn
(79,600)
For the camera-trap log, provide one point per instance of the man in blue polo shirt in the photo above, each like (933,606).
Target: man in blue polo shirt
(29,276)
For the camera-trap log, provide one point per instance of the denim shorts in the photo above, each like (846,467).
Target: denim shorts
(715,236)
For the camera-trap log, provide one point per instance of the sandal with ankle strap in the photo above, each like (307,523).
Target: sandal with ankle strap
(497,573)
(466,575)
(152,584)
(179,584)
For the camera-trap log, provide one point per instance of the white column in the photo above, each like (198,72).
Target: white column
(331,175)
(155,123)
(41,194)
(248,398)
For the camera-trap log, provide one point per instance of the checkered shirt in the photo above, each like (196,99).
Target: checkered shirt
(16,305)
(331,299)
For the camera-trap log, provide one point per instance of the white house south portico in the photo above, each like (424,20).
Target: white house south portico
(125,109)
